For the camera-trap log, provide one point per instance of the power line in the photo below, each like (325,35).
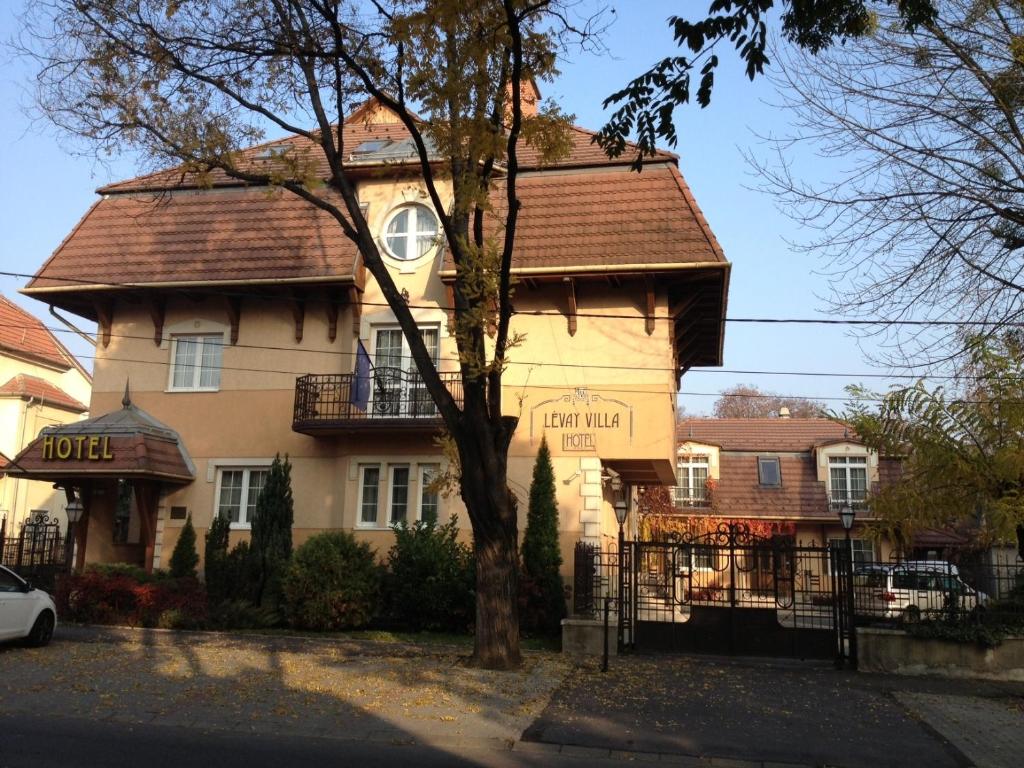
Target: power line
(560,387)
(596,315)
(551,364)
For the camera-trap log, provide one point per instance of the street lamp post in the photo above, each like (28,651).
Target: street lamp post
(621,512)
(74,512)
(846,516)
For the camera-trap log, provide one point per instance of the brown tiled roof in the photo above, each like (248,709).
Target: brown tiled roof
(25,335)
(611,217)
(25,386)
(583,152)
(763,434)
(230,235)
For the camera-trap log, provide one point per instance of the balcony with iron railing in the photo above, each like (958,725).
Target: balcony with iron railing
(394,399)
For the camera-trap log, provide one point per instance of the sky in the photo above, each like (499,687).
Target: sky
(44,191)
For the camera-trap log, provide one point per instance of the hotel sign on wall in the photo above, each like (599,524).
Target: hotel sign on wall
(576,421)
(77,448)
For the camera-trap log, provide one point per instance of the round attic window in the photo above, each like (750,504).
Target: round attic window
(410,232)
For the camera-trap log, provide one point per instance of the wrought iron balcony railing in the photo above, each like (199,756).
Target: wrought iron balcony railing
(392,396)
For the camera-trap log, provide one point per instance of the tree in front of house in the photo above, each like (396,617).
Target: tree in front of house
(185,558)
(962,450)
(645,106)
(543,593)
(193,83)
(271,544)
(746,401)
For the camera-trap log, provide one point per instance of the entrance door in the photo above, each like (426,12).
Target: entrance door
(397,386)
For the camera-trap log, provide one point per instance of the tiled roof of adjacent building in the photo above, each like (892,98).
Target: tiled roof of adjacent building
(779,435)
(24,335)
(738,492)
(25,387)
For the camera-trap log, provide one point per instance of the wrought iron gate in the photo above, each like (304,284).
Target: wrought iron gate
(38,552)
(732,592)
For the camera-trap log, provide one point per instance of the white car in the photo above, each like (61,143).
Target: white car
(25,613)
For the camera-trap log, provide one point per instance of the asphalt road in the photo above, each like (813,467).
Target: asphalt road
(58,742)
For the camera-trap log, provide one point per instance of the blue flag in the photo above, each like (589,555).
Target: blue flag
(359,392)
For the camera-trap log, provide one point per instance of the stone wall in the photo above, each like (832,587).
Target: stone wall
(896,652)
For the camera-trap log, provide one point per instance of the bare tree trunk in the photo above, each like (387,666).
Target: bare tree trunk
(493,511)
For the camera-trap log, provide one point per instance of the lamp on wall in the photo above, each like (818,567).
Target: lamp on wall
(74,512)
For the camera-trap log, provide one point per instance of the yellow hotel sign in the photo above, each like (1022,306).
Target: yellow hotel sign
(79,448)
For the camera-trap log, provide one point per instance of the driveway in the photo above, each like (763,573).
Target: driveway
(787,712)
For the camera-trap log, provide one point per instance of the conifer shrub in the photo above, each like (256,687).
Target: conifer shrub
(332,583)
(271,546)
(430,581)
(185,558)
(541,591)
(215,560)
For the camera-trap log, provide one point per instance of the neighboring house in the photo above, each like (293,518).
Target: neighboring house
(239,314)
(41,385)
(792,476)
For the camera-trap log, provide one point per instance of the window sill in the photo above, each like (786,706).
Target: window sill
(174,390)
(240,526)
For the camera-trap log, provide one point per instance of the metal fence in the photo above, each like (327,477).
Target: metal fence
(984,590)
(37,552)
(391,394)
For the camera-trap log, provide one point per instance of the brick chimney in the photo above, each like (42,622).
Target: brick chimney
(530,97)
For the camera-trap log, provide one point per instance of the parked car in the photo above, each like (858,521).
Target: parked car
(908,591)
(25,613)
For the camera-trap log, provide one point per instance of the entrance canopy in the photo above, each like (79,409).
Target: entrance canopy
(643,471)
(124,444)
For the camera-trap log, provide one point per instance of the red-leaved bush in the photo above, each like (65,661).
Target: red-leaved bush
(101,598)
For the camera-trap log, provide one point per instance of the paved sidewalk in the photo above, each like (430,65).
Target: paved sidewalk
(372,698)
(989,732)
(338,689)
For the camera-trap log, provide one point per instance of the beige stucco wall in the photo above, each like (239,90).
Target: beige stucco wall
(605,393)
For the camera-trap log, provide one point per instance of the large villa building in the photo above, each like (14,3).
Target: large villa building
(230,321)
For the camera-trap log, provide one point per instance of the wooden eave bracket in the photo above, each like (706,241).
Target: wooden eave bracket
(449,297)
(157,311)
(570,296)
(651,304)
(233,305)
(355,300)
(104,318)
(299,315)
(332,319)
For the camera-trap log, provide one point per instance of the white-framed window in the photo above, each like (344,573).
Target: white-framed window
(369,494)
(196,362)
(238,490)
(398,389)
(398,493)
(410,232)
(429,503)
(848,479)
(691,481)
(863,550)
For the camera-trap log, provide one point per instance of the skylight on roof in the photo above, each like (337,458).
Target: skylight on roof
(277,150)
(369,147)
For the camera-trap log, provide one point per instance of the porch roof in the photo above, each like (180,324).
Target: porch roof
(128,443)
